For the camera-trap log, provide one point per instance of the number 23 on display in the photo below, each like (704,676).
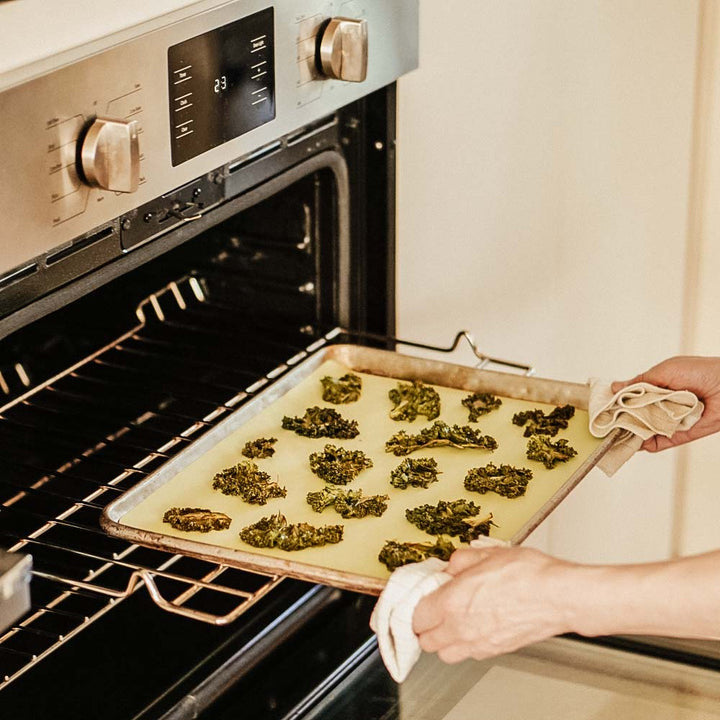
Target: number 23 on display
(220,84)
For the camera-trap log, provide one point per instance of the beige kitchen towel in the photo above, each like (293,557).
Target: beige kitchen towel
(392,617)
(641,410)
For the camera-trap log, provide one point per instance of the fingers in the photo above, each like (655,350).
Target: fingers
(464,558)
(428,613)
(432,608)
(435,639)
(455,653)
(657,443)
(618,385)
(452,631)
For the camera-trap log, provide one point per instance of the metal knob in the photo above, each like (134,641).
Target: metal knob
(110,155)
(343,49)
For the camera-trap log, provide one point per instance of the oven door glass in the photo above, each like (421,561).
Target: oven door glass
(559,678)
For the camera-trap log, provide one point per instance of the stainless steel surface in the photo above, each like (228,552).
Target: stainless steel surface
(110,155)
(361,359)
(343,49)
(44,205)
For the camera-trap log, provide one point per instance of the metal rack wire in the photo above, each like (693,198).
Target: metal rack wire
(79,572)
(52,509)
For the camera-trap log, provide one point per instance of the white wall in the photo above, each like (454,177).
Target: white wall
(544,171)
(697,526)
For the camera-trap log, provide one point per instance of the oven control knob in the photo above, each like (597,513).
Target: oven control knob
(343,49)
(110,155)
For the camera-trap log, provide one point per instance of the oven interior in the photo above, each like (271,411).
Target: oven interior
(101,391)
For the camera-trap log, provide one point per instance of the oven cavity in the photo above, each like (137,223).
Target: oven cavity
(114,384)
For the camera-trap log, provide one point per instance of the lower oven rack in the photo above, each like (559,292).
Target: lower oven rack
(97,578)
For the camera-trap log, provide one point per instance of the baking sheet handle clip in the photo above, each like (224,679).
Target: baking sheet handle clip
(484,361)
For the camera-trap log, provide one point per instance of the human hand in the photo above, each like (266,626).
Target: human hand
(700,375)
(499,600)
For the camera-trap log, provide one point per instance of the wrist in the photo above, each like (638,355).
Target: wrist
(677,598)
(583,598)
(565,595)
(609,599)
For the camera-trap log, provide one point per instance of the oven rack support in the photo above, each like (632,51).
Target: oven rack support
(484,361)
(179,295)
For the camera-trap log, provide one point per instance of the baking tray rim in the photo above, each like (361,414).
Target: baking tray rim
(343,353)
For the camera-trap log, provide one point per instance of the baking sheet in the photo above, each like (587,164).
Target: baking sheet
(186,480)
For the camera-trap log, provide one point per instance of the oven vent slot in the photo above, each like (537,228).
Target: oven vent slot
(79,245)
(262,152)
(20,274)
(309,130)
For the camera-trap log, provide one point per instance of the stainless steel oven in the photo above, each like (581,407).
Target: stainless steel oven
(190,205)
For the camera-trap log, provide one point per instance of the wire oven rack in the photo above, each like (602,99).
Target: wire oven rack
(79,572)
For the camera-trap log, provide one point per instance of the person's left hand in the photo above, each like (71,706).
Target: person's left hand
(499,600)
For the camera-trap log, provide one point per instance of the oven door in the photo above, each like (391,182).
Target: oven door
(562,677)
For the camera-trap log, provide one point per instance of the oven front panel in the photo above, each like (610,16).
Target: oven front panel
(46,201)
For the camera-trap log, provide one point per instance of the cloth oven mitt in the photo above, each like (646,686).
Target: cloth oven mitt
(641,410)
(392,617)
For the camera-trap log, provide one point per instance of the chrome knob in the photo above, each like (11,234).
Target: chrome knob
(343,49)
(110,155)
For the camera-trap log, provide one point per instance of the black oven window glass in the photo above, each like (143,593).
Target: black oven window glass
(221,85)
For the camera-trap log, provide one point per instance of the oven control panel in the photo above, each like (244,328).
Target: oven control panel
(221,84)
(158,107)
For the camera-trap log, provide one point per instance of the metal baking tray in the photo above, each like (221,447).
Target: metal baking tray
(185,480)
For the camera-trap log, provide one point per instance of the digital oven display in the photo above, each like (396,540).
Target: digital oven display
(221,85)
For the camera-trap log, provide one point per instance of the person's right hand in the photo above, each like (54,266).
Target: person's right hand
(700,375)
(499,599)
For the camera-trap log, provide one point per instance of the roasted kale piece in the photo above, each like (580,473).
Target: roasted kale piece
(344,390)
(196,519)
(504,480)
(260,448)
(549,453)
(245,480)
(480,404)
(451,517)
(275,532)
(320,422)
(394,553)
(349,503)
(337,465)
(536,422)
(438,435)
(419,472)
(412,399)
